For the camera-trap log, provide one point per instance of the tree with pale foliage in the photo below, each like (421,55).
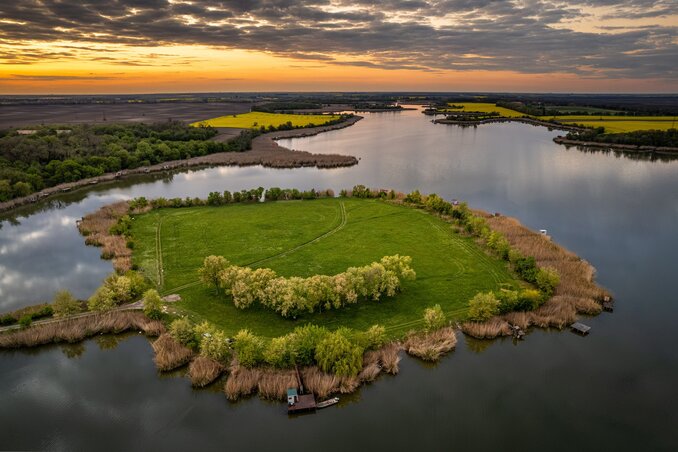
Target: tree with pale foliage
(152,304)
(483,306)
(434,318)
(102,300)
(214,345)
(210,271)
(65,304)
(183,331)
(547,280)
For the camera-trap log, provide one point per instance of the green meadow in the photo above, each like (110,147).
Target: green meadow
(303,238)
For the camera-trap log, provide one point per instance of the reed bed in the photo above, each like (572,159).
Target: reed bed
(273,383)
(170,354)
(204,371)
(494,327)
(96,227)
(389,357)
(241,381)
(370,372)
(78,329)
(431,346)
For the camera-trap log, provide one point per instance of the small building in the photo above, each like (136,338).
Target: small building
(543,232)
(292,396)
(26,131)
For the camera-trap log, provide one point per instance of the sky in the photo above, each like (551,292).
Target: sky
(164,46)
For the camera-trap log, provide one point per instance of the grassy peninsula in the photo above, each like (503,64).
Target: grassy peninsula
(302,238)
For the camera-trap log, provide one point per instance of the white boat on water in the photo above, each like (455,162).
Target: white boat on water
(328,402)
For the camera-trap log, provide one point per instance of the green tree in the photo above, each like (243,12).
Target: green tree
(547,280)
(434,318)
(102,300)
(183,331)
(250,348)
(336,354)
(152,304)
(483,306)
(214,345)
(65,304)
(211,269)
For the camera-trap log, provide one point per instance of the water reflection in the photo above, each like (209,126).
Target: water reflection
(606,391)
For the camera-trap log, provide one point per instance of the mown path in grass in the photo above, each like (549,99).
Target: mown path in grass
(302,238)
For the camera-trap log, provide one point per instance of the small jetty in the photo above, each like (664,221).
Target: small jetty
(298,402)
(580,328)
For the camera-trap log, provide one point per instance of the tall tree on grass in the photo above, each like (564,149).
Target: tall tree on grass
(152,304)
(250,348)
(65,304)
(210,270)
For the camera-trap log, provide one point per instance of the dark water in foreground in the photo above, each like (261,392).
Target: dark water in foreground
(615,389)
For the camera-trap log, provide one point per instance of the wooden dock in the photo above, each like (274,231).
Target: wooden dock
(305,403)
(580,328)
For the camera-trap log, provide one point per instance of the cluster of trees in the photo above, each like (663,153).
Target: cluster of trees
(290,297)
(51,156)
(116,290)
(25,316)
(339,352)
(285,107)
(289,126)
(658,138)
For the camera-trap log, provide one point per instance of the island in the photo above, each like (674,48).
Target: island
(273,290)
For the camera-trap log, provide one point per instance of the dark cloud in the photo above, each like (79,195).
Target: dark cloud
(433,35)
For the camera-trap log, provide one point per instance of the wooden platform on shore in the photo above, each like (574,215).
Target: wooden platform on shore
(305,403)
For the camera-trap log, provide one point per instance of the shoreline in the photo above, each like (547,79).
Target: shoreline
(265,152)
(617,146)
(534,122)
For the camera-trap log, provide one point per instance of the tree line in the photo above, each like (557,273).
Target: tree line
(293,296)
(656,138)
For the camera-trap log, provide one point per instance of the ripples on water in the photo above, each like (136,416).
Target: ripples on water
(555,390)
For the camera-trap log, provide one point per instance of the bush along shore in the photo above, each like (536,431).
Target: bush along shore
(128,150)
(557,286)
(641,141)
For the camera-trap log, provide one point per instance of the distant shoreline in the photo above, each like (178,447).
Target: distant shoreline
(265,152)
(618,147)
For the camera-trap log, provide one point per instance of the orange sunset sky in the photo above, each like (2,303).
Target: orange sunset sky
(146,46)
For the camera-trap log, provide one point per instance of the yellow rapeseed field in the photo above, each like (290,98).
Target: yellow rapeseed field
(619,124)
(485,107)
(256,119)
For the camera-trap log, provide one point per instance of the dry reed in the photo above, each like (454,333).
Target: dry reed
(204,371)
(78,329)
(273,383)
(96,227)
(369,372)
(494,327)
(241,381)
(170,354)
(431,346)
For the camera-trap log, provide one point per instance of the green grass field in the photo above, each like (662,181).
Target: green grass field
(486,108)
(303,238)
(256,119)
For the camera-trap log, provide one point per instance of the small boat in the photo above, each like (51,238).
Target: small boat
(328,402)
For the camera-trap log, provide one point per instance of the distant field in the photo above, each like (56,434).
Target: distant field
(619,124)
(257,119)
(487,108)
(570,108)
(350,232)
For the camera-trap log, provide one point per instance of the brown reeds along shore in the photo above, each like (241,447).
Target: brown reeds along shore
(96,228)
(265,151)
(204,371)
(170,354)
(80,328)
(577,292)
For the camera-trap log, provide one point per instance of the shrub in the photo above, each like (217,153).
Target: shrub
(103,300)
(280,352)
(214,345)
(483,306)
(526,267)
(547,280)
(434,318)
(250,348)
(182,330)
(529,300)
(373,338)
(65,304)
(25,321)
(337,355)
(305,340)
(508,300)
(152,304)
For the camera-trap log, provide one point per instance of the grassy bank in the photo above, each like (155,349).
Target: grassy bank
(324,236)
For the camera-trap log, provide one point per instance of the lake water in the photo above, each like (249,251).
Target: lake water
(614,389)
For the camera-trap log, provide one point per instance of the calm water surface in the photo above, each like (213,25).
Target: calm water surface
(615,389)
